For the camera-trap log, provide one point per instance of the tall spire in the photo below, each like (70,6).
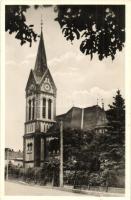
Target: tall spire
(41,61)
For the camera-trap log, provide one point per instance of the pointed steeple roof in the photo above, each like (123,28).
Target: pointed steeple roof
(41,61)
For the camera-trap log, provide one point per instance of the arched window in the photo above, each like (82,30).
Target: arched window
(49,108)
(30,146)
(44,108)
(33,111)
(29,109)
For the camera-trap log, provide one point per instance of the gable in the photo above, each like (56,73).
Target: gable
(47,84)
(31,81)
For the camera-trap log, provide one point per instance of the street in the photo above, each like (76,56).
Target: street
(13,188)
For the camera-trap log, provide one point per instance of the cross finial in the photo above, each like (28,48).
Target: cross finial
(102,103)
(97,101)
(41,23)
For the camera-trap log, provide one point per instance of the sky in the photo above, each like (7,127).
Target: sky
(79,80)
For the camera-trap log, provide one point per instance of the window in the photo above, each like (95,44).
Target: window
(29,147)
(49,108)
(33,112)
(44,108)
(29,109)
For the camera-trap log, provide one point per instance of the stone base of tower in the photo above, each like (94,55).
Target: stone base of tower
(35,150)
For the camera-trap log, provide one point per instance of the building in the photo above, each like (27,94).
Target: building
(40,109)
(41,113)
(13,157)
(89,118)
(10,154)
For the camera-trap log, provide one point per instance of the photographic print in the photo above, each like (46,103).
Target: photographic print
(65,100)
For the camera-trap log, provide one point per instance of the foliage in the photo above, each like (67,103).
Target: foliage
(116,117)
(15,22)
(94,179)
(117,109)
(13,170)
(112,144)
(100,29)
(80,150)
(50,171)
(100,156)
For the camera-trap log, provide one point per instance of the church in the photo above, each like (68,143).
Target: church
(41,93)
(40,109)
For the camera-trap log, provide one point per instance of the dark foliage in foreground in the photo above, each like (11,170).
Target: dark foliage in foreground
(100,29)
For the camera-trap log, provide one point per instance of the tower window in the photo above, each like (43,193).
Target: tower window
(29,147)
(29,109)
(49,108)
(44,108)
(33,112)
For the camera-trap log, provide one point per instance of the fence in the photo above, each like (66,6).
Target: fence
(42,177)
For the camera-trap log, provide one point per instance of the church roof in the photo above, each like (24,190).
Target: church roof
(41,61)
(93,117)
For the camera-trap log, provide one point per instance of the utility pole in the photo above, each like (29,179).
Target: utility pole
(61,153)
(82,118)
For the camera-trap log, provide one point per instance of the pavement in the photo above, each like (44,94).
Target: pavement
(13,188)
(20,188)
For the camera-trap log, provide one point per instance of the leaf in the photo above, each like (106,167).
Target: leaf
(31,25)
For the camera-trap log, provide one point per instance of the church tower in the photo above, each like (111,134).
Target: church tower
(40,109)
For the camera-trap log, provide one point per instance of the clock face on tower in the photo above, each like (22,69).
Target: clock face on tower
(47,87)
(32,87)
